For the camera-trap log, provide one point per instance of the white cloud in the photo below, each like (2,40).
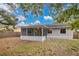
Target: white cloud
(37,22)
(20,17)
(47,17)
(32,23)
(21,24)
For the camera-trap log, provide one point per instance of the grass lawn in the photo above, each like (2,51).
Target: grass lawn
(15,46)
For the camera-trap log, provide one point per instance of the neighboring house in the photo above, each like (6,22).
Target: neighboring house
(43,32)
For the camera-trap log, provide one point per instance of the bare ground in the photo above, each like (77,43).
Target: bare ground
(13,46)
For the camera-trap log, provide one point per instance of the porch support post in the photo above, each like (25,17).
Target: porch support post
(42,31)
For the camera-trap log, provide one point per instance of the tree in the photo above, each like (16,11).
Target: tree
(69,16)
(7,19)
(35,8)
(75,24)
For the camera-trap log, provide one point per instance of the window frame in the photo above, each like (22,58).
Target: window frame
(63,31)
(50,31)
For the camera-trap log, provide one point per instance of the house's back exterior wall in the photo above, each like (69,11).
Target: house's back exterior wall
(57,35)
(54,35)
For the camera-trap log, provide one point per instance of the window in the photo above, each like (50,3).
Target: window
(23,31)
(63,31)
(49,30)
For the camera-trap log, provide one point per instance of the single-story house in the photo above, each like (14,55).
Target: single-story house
(42,32)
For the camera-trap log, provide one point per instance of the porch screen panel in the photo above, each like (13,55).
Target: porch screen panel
(30,32)
(23,31)
(34,32)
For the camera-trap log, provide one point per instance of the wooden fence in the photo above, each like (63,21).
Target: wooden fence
(9,34)
(17,34)
(76,35)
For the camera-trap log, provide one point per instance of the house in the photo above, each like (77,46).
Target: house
(42,32)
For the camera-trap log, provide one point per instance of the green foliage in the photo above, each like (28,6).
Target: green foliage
(8,20)
(68,15)
(36,8)
(75,24)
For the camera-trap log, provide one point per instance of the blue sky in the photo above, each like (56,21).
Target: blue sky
(29,18)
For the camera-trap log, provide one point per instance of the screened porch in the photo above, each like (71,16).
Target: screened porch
(33,32)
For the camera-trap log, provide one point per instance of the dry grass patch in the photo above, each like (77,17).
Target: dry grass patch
(15,46)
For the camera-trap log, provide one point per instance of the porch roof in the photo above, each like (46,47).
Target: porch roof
(34,26)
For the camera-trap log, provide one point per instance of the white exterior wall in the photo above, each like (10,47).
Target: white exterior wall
(33,38)
(57,35)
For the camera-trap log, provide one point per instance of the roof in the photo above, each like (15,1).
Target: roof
(47,26)
(58,26)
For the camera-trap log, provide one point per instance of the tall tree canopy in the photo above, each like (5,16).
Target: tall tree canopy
(6,18)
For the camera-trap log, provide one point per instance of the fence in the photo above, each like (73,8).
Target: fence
(17,34)
(9,34)
(76,35)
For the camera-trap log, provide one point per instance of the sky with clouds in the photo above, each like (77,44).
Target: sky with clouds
(44,19)
(28,17)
